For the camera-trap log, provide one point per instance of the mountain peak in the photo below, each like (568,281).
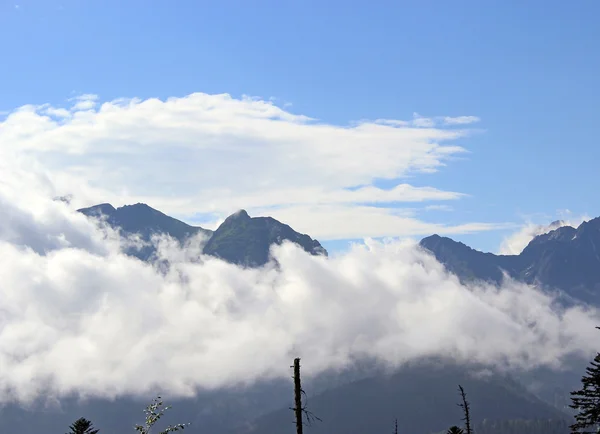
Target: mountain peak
(139,209)
(589,226)
(561,234)
(138,205)
(246,241)
(240,239)
(239,215)
(144,221)
(433,241)
(566,258)
(102,209)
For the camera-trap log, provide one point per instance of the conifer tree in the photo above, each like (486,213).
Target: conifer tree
(587,400)
(82,426)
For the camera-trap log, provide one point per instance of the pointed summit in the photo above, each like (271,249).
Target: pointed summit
(238,215)
(240,239)
(103,209)
(245,240)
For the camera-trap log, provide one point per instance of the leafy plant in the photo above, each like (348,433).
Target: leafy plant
(153,413)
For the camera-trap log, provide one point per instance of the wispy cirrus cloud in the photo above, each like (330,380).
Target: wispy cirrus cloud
(461,120)
(419,121)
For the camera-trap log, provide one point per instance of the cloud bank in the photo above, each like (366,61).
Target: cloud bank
(201,157)
(78,317)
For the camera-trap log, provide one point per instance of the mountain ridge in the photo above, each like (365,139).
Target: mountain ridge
(566,259)
(422,397)
(240,239)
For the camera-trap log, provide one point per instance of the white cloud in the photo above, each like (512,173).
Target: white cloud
(84,102)
(215,154)
(438,208)
(420,121)
(517,241)
(77,317)
(56,112)
(425,122)
(461,120)
(335,222)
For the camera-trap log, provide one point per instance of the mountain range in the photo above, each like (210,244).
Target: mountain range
(423,397)
(566,259)
(240,239)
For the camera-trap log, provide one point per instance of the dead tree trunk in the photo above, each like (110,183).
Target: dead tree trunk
(465,406)
(297,396)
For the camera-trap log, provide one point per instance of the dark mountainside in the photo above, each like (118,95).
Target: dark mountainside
(209,412)
(240,239)
(565,259)
(214,412)
(423,398)
(244,240)
(145,221)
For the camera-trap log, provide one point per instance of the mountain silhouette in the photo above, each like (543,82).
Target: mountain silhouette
(240,239)
(565,259)
(144,221)
(423,397)
(245,240)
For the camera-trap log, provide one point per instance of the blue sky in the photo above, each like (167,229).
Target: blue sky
(527,69)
